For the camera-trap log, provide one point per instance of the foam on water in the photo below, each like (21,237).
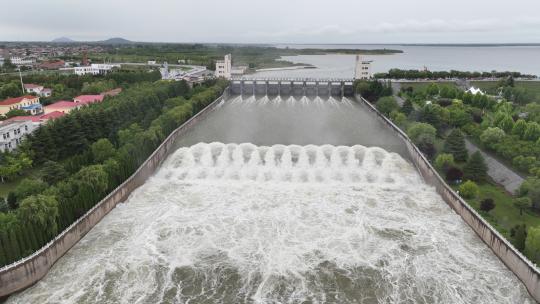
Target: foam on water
(228,223)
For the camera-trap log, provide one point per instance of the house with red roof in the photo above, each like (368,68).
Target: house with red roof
(63,107)
(28,103)
(86,99)
(36,119)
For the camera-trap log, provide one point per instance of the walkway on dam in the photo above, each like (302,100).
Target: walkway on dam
(498,171)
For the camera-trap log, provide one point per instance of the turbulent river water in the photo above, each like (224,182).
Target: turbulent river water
(272,223)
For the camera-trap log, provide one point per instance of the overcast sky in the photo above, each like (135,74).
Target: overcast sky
(276,21)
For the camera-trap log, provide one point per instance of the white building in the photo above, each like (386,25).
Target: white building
(12,133)
(239,70)
(224,67)
(22,61)
(475,91)
(363,68)
(37,89)
(95,69)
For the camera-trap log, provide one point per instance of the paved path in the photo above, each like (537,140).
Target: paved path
(396,87)
(499,172)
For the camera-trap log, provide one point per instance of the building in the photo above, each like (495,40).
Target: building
(363,68)
(13,132)
(112,92)
(86,99)
(239,70)
(52,65)
(28,103)
(224,67)
(95,69)
(16,60)
(62,107)
(36,119)
(37,89)
(475,91)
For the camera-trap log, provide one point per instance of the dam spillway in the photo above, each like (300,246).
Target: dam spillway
(290,200)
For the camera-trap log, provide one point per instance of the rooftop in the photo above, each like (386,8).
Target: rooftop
(15,100)
(88,98)
(62,105)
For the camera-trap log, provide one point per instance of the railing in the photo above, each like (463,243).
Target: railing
(516,262)
(16,278)
(265,79)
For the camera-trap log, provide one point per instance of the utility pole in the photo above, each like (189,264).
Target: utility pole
(20,76)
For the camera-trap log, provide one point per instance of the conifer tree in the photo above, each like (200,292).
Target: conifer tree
(455,145)
(475,169)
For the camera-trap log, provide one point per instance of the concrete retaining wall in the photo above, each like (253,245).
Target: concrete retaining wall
(28,271)
(510,256)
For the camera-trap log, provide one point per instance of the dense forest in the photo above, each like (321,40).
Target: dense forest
(86,154)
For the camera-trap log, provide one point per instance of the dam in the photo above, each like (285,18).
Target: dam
(273,198)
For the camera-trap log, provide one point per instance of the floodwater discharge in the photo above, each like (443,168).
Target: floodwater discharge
(262,222)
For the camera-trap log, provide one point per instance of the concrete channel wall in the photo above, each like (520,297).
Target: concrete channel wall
(29,270)
(507,253)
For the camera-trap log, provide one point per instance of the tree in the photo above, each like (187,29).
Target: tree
(10,90)
(532,244)
(468,189)
(432,89)
(487,205)
(102,150)
(506,123)
(522,203)
(455,145)
(434,115)
(444,161)
(531,188)
(13,165)
(12,200)
(423,135)
(16,112)
(53,172)
(532,132)
(454,174)
(492,136)
(4,207)
(519,235)
(28,187)
(519,128)
(475,169)
(407,107)
(386,105)
(457,117)
(398,118)
(42,211)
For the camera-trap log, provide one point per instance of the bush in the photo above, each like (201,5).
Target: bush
(454,174)
(522,203)
(487,205)
(422,133)
(444,161)
(468,189)
(492,136)
(386,105)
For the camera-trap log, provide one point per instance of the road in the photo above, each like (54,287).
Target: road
(396,87)
(498,171)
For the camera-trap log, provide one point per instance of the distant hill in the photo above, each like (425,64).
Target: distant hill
(63,40)
(116,40)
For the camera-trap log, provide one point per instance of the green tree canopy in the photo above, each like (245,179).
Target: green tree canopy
(53,172)
(455,145)
(532,244)
(475,169)
(386,105)
(492,136)
(40,210)
(102,150)
(28,187)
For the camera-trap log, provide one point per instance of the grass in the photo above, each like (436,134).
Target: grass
(505,215)
(10,185)
(491,86)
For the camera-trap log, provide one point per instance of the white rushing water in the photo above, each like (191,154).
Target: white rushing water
(228,223)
